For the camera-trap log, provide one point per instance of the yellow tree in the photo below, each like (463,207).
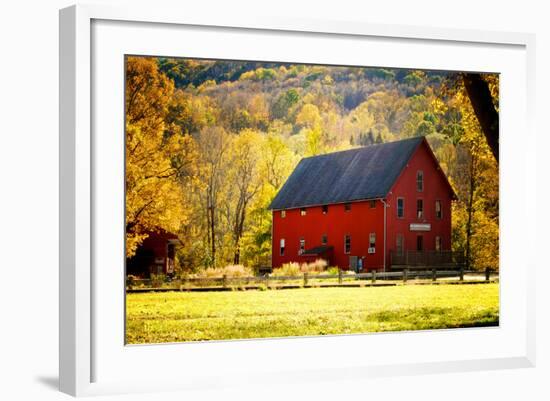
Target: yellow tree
(358,124)
(275,164)
(245,178)
(309,117)
(214,145)
(482,174)
(155,155)
(474,172)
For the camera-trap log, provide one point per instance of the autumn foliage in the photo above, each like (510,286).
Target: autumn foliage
(209,144)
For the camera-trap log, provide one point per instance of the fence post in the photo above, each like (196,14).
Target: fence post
(461,274)
(224,281)
(373,276)
(266,276)
(339,276)
(487,274)
(305,279)
(405,274)
(434,274)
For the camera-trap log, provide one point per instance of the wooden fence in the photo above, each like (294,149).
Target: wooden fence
(307,280)
(426,259)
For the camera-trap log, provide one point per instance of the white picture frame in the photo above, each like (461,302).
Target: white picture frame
(84,350)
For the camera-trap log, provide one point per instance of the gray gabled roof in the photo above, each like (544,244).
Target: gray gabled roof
(357,174)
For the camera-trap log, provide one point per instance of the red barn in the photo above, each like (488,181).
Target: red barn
(156,255)
(365,209)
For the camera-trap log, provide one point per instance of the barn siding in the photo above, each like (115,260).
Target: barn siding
(358,222)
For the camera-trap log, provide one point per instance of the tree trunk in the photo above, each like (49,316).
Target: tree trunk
(212,235)
(470,208)
(211,224)
(236,257)
(238,232)
(484,109)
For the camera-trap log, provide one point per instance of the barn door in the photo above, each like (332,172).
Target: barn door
(171,255)
(420,243)
(353,263)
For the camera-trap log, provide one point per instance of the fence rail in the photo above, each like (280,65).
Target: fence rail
(312,280)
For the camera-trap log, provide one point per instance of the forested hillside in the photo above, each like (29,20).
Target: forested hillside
(209,144)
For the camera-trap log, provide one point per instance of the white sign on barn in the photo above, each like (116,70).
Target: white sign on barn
(420,227)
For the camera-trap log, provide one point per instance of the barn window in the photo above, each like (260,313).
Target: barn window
(372,240)
(324,239)
(438,211)
(419,243)
(437,243)
(303,211)
(347,207)
(372,204)
(302,246)
(283,214)
(282,247)
(420,181)
(399,244)
(420,208)
(347,243)
(325,209)
(400,207)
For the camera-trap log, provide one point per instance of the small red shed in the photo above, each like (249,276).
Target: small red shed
(365,209)
(156,255)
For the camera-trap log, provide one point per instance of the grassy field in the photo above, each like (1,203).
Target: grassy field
(198,316)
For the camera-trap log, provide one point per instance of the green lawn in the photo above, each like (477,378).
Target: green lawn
(197,316)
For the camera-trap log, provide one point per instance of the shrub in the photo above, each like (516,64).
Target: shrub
(182,275)
(333,270)
(131,280)
(320,265)
(157,280)
(287,269)
(296,269)
(350,272)
(229,271)
(238,271)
